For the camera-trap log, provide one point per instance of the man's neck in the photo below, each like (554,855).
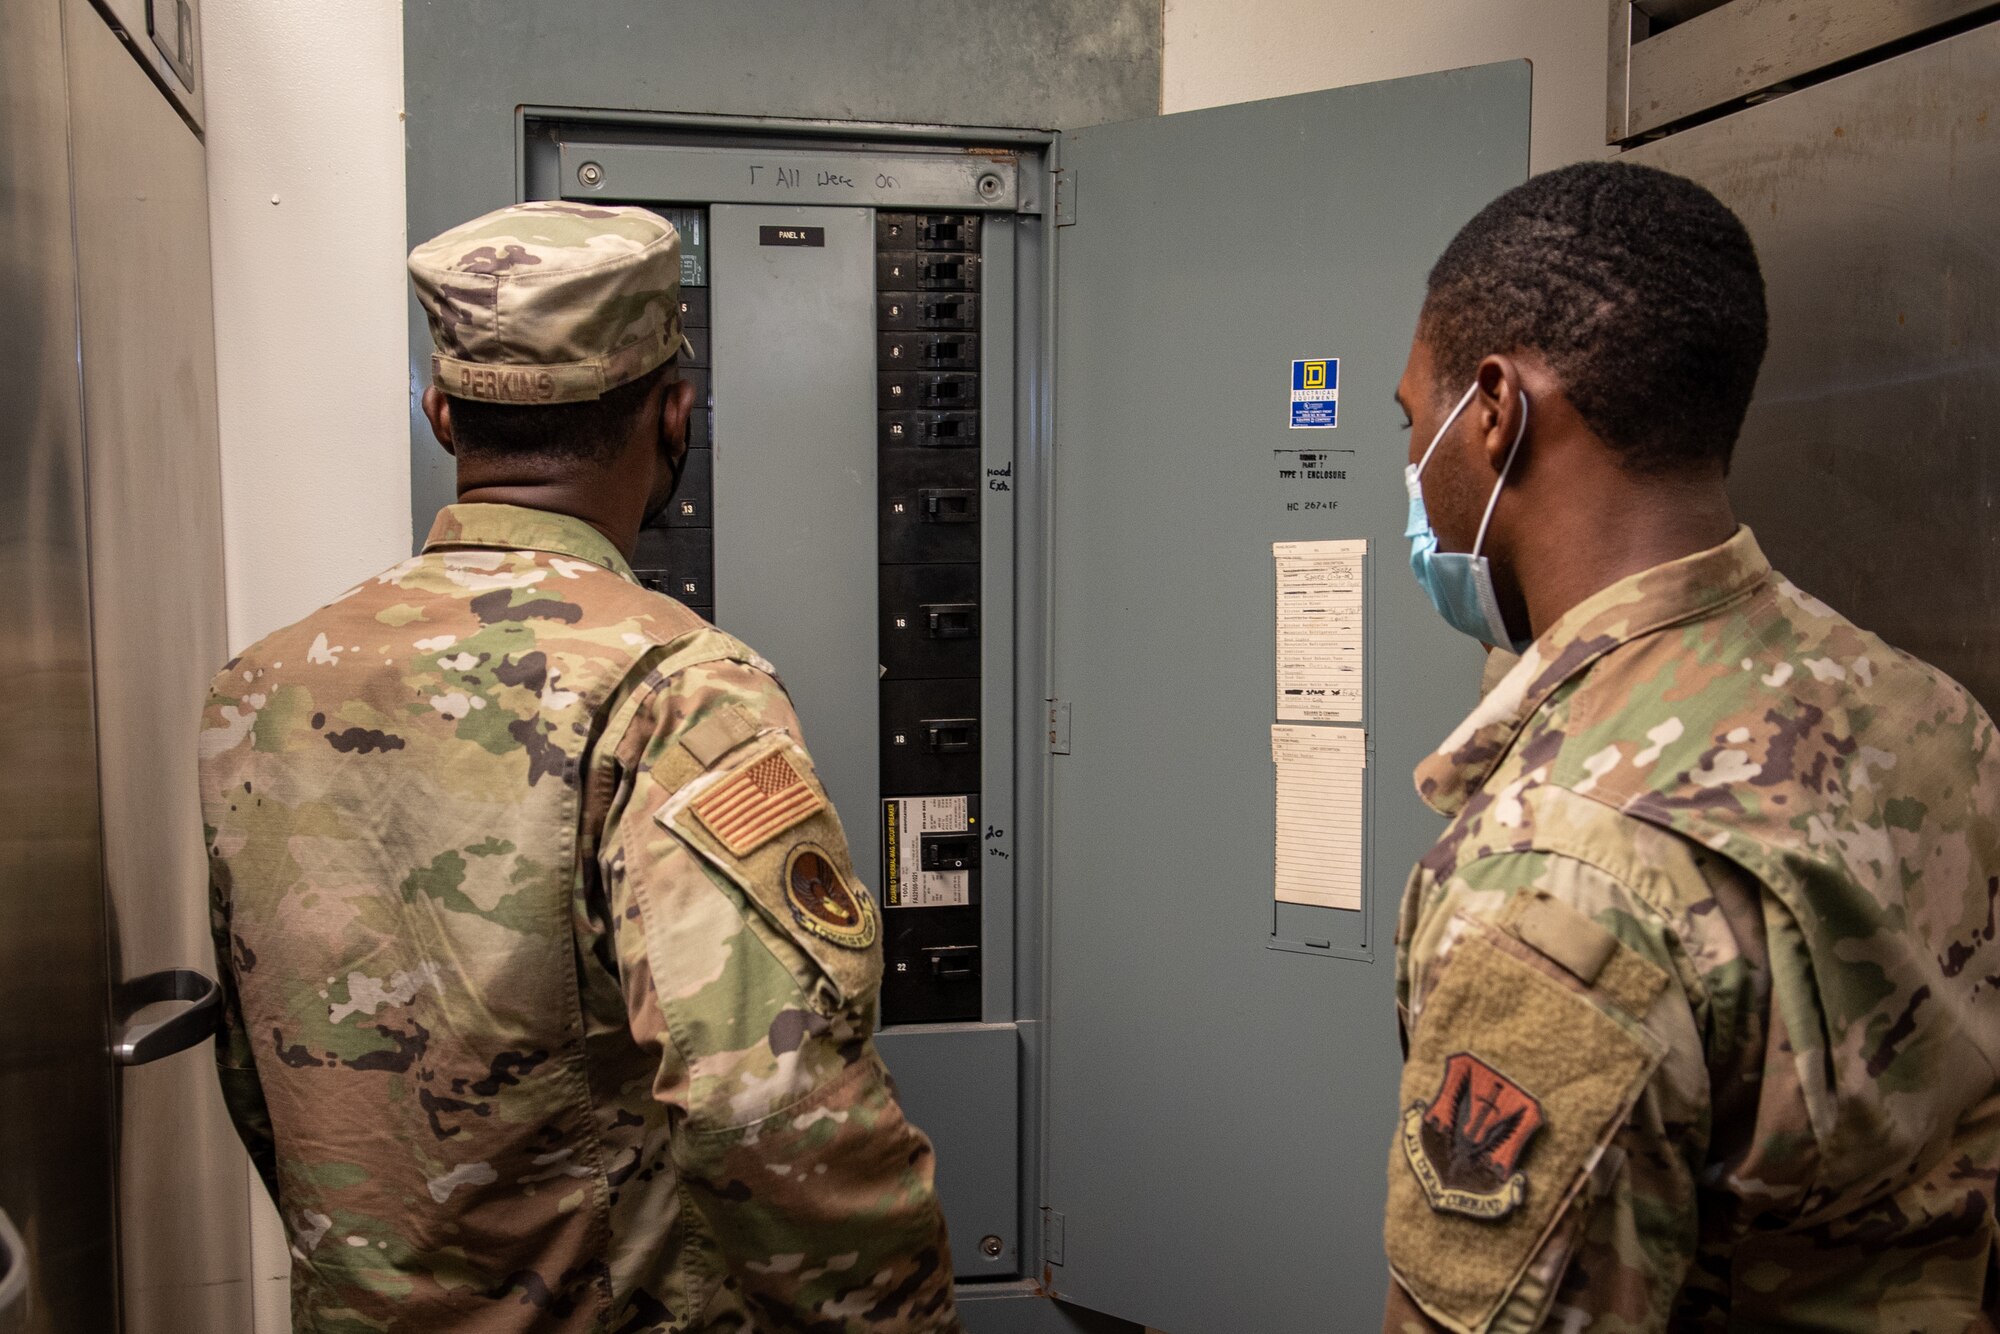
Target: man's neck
(1626,531)
(585,504)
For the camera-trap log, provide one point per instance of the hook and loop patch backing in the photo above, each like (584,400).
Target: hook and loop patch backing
(765,825)
(1517,1079)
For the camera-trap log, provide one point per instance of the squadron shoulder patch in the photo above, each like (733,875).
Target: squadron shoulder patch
(823,902)
(1465,1145)
(757,803)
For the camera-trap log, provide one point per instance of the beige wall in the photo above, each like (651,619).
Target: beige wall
(305,162)
(1221,51)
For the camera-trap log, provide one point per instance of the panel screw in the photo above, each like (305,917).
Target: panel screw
(590,174)
(990,186)
(990,1246)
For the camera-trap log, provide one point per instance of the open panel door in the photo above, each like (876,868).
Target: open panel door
(1222,1069)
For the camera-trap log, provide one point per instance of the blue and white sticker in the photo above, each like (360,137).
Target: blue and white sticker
(1316,394)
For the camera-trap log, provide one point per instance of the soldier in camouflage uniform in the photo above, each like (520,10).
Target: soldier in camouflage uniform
(1701,986)
(550,981)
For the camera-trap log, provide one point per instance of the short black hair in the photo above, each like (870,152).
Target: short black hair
(592,431)
(1640,289)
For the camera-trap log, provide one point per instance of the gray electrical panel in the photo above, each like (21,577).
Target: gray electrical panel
(992,451)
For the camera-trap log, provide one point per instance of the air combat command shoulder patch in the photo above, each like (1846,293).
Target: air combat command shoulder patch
(823,902)
(1465,1145)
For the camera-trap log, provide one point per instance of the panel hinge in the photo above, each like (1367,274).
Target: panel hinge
(1065,196)
(1052,1236)
(1058,726)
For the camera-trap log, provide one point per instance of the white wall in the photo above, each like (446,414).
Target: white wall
(1221,51)
(305,163)
(305,188)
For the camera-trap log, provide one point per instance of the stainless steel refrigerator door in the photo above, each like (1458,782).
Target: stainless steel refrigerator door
(1870,465)
(56,1130)
(157,625)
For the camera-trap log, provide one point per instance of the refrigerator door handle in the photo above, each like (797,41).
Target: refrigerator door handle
(13,1265)
(136,1044)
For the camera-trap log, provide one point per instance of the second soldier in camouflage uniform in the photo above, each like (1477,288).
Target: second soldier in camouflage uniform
(551,983)
(1701,984)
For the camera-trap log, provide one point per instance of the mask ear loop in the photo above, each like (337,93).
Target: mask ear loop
(1425,461)
(1493,501)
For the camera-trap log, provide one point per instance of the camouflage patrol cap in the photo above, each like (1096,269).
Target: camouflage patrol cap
(549,301)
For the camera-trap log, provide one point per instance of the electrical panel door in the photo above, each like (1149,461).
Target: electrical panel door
(1223,1068)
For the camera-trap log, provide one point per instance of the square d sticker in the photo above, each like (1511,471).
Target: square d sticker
(1316,394)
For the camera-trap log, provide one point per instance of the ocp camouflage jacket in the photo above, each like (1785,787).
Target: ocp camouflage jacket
(550,982)
(1701,984)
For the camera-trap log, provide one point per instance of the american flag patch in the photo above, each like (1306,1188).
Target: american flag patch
(750,808)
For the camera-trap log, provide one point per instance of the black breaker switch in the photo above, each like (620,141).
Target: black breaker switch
(947,273)
(951,620)
(930,351)
(948,852)
(953,963)
(926,271)
(948,504)
(930,430)
(927,231)
(950,736)
(948,231)
(926,390)
(898,311)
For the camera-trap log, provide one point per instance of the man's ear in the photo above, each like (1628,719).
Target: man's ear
(1498,409)
(676,407)
(438,409)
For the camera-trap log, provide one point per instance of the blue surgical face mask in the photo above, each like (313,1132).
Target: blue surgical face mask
(1460,583)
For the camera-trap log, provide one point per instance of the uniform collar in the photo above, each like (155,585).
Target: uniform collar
(1680,590)
(517,528)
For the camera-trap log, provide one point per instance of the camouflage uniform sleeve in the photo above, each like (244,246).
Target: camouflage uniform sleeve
(235,1066)
(1554,1109)
(750,963)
